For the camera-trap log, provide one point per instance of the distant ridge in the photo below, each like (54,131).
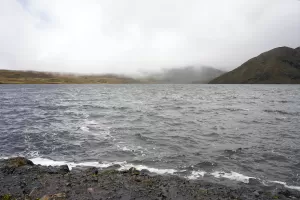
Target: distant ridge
(34,77)
(186,75)
(277,66)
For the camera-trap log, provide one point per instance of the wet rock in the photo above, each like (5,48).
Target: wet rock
(90,190)
(92,171)
(32,193)
(45,197)
(285,193)
(256,193)
(58,196)
(134,171)
(253,181)
(113,167)
(34,182)
(144,172)
(27,197)
(64,169)
(18,162)
(10,165)
(52,170)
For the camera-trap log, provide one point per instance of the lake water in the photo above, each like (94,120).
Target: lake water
(217,132)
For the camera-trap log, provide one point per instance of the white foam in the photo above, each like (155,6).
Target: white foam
(287,186)
(153,170)
(131,148)
(85,129)
(196,174)
(48,162)
(91,122)
(125,166)
(33,154)
(232,176)
(125,149)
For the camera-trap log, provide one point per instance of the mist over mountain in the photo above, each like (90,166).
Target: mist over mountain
(185,75)
(125,37)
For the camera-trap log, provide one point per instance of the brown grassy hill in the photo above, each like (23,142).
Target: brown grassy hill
(279,65)
(33,77)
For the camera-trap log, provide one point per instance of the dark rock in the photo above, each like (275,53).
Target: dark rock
(256,193)
(113,167)
(144,172)
(18,162)
(285,193)
(92,171)
(253,181)
(134,171)
(64,169)
(36,182)
(58,196)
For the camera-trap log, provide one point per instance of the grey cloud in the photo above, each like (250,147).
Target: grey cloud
(129,36)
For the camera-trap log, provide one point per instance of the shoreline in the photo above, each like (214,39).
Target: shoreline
(22,179)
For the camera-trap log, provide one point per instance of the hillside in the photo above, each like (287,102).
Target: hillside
(185,75)
(33,77)
(279,65)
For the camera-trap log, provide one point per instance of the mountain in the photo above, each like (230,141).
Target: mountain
(279,65)
(185,75)
(33,77)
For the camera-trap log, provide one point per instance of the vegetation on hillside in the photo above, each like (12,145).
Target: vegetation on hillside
(279,65)
(185,75)
(33,77)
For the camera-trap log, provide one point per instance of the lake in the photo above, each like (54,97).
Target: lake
(216,132)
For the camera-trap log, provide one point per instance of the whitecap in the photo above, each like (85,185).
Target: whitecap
(196,174)
(48,162)
(91,122)
(232,176)
(125,166)
(85,129)
(286,185)
(150,169)
(125,149)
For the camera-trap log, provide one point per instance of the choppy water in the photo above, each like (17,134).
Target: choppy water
(229,131)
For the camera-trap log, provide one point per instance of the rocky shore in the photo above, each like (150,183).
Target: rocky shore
(21,179)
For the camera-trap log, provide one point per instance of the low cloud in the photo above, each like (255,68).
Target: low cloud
(130,36)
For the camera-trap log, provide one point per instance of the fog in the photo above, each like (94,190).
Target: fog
(185,75)
(137,36)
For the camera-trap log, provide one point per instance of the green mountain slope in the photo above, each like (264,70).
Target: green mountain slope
(279,65)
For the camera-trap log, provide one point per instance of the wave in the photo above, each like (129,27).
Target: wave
(286,185)
(123,165)
(84,128)
(232,176)
(150,169)
(194,175)
(48,162)
(281,112)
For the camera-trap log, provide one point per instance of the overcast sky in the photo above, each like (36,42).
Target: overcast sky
(130,36)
